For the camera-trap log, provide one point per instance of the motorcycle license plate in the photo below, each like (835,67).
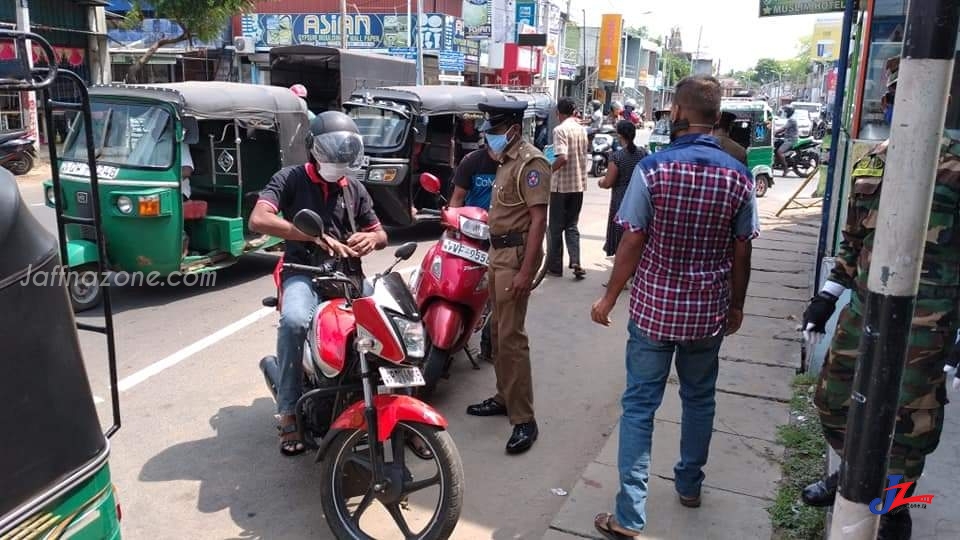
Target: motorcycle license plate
(660,139)
(453,247)
(401,377)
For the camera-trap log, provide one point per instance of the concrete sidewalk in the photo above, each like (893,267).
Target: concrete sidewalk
(756,368)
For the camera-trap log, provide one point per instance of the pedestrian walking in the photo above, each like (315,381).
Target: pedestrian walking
(566,190)
(518,219)
(619,172)
(933,335)
(689,216)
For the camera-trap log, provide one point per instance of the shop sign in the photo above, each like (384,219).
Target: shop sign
(477,18)
(776,8)
(526,14)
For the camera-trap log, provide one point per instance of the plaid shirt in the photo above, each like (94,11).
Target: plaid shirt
(570,139)
(691,199)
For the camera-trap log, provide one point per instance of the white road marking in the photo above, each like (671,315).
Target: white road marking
(166,363)
(39,204)
(97,399)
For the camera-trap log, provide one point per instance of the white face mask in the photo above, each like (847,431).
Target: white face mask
(333,172)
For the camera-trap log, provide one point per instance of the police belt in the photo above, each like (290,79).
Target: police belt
(508,240)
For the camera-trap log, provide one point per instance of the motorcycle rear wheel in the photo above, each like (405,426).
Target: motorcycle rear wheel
(347,466)
(434,367)
(20,165)
(806,162)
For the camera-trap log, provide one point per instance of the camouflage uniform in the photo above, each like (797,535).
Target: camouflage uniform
(923,391)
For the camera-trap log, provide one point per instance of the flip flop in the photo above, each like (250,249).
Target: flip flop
(603,527)
(421,452)
(291,447)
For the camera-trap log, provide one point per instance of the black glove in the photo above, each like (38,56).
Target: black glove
(815,318)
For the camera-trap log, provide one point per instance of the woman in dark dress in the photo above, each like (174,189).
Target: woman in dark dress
(619,172)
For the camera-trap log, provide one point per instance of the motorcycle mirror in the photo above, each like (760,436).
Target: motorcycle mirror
(430,183)
(405,251)
(308,222)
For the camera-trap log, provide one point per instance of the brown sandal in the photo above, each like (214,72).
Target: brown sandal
(605,523)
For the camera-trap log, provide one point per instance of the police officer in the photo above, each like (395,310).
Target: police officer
(518,220)
(923,395)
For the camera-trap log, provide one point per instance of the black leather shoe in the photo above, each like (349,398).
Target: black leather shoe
(896,526)
(822,492)
(524,435)
(488,407)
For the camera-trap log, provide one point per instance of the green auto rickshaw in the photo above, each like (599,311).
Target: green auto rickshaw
(660,137)
(236,135)
(753,129)
(54,454)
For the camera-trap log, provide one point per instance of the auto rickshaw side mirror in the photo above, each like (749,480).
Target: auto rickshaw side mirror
(309,223)
(420,129)
(191,130)
(430,183)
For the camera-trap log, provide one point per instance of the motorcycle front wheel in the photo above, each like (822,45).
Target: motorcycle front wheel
(403,506)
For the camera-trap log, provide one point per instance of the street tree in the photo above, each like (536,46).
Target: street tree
(767,70)
(203,20)
(676,67)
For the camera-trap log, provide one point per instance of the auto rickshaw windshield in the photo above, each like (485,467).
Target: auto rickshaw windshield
(379,127)
(125,135)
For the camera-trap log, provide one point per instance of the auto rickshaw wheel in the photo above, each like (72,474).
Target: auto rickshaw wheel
(84,288)
(763,183)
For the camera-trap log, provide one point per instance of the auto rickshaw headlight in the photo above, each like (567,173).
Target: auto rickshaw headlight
(124,204)
(386,175)
(51,198)
(149,205)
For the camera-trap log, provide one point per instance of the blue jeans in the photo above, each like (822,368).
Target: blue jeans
(296,313)
(648,366)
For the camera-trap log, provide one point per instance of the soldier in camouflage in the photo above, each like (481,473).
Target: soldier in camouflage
(932,338)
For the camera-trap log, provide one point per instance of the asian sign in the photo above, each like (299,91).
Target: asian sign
(775,8)
(526,14)
(374,32)
(477,18)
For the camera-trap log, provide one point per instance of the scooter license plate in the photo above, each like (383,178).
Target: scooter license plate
(402,377)
(453,247)
(660,139)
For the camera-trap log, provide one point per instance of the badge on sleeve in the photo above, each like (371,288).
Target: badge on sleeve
(533,178)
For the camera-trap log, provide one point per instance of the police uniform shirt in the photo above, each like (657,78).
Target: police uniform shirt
(521,182)
(292,189)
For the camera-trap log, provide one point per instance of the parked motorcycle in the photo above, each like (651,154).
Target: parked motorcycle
(802,158)
(16,152)
(451,286)
(360,361)
(601,149)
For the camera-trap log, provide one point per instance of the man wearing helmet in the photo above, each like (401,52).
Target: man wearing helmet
(790,131)
(629,112)
(352,230)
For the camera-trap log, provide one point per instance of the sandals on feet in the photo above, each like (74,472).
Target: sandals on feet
(290,447)
(422,451)
(605,523)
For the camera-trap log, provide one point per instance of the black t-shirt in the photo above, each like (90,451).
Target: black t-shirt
(476,174)
(291,190)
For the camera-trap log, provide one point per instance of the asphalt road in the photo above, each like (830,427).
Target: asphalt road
(197,452)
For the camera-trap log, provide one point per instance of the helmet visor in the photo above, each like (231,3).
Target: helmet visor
(341,147)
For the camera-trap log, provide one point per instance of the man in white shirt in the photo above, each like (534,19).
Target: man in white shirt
(186,168)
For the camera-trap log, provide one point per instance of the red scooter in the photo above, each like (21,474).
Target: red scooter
(360,361)
(451,285)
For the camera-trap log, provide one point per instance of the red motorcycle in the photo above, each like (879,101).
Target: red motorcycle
(360,362)
(451,285)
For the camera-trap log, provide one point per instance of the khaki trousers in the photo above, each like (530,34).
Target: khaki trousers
(511,348)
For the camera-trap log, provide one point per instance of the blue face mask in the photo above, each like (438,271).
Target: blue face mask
(497,143)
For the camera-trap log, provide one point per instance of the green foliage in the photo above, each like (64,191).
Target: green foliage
(676,67)
(769,70)
(804,461)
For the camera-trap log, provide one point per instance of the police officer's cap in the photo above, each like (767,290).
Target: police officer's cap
(501,112)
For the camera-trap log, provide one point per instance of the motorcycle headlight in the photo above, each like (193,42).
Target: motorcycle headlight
(412,335)
(474,228)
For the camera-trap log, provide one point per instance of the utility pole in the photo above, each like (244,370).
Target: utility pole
(409,25)
(419,31)
(926,68)
(343,25)
(28,100)
(586,66)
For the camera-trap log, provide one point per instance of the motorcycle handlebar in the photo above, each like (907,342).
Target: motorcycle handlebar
(430,211)
(328,268)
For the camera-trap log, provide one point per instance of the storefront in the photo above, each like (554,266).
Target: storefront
(66,25)
(521,65)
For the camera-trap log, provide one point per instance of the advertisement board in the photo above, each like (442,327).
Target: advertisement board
(526,15)
(477,18)
(776,8)
(611,29)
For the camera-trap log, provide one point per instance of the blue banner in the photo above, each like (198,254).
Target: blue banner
(451,61)
(526,14)
(380,32)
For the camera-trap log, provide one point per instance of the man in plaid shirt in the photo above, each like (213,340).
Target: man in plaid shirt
(689,216)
